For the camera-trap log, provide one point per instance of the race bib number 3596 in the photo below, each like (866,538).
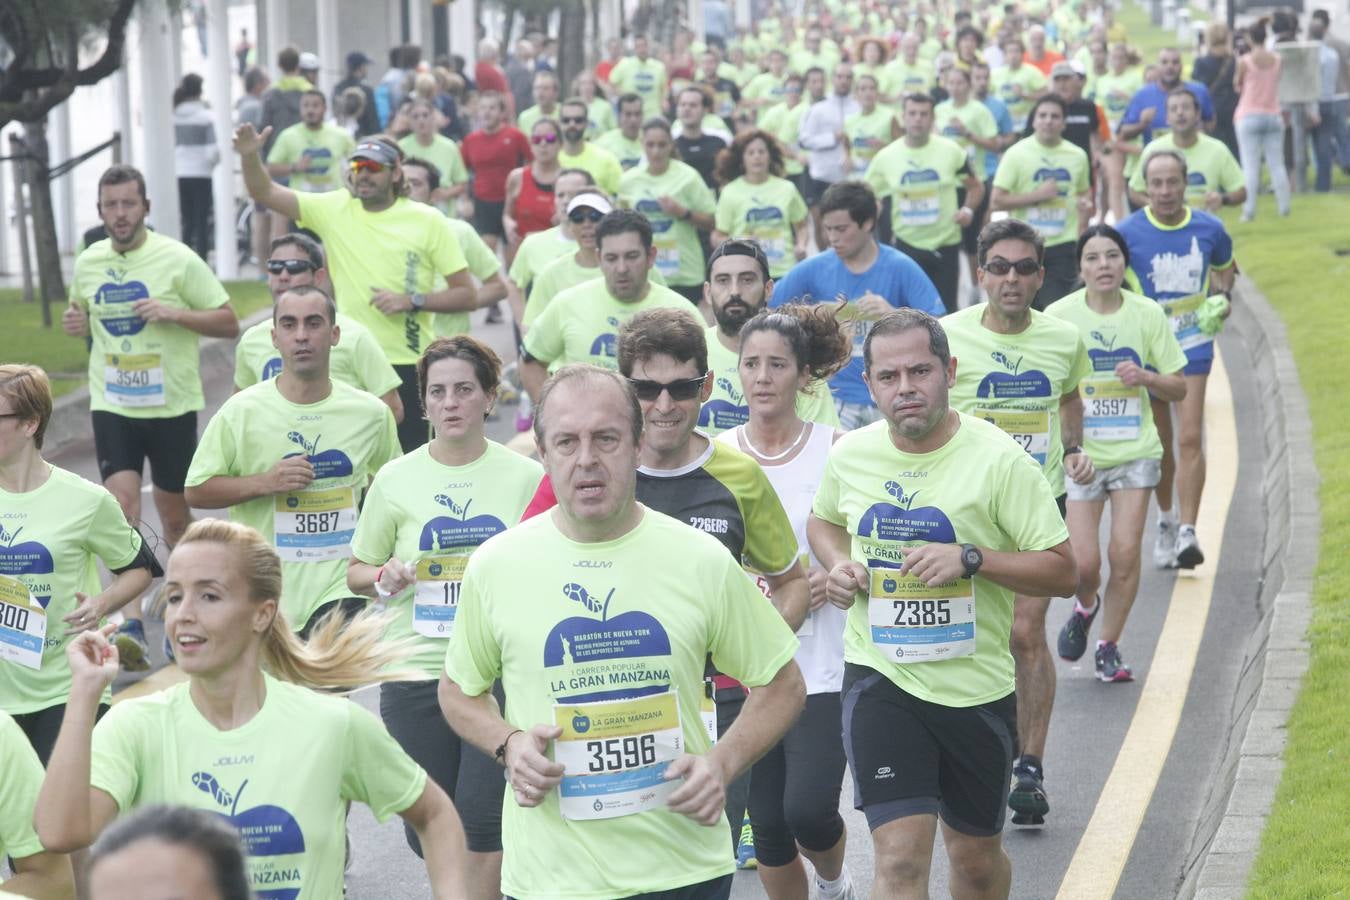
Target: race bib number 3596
(614,754)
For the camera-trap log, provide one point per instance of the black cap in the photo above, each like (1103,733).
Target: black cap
(356,59)
(378,151)
(740,247)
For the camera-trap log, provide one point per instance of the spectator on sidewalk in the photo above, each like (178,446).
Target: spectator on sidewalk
(1332,102)
(1214,69)
(249,108)
(358,66)
(520,69)
(1259,121)
(195,155)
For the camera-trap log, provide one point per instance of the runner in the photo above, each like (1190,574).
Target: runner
(579,153)
(625,142)
(388,254)
(1114,91)
(869,129)
(425,142)
(794,789)
(1020,371)
(783,121)
(278,760)
(37,872)
(310,153)
(935,519)
(150,299)
(412,542)
(1147,113)
(169,851)
(617,696)
(1016,83)
(1180,257)
(1044,180)
(1133,354)
(700,135)
(757,203)
(291,458)
(872,280)
(1213,177)
(547,90)
(907,74)
(542,247)
(640,74)
(820,132)
(529,189)
(970,235)
(56,528)
(357,360)
(491,153)
(599,111)
(582,323)
(672,196)
(921,176)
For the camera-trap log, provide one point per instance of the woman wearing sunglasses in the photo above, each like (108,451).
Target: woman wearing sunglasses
(248,736)
(424,516)
(794,788)
(1134,354)
(758,203)
(529,189)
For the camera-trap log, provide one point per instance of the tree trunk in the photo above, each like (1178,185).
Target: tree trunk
(507,27)
(51,283)
(571,41)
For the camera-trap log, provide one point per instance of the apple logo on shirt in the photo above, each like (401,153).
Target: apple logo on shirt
(1014,382)
(26,558)
(724,413)
(1106,357)
(265,831)
(118,293)
(328,464)
(1049,170)
(650,209)
(762,214)
(606,658)
(271,369)
(902,521)
(457,529)
(607,344)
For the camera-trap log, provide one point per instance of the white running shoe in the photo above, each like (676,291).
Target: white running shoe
(1188,553)
(842,890)
(1165,545)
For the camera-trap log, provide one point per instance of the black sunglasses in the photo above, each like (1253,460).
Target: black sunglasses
(573,120)
(1000,266)
(584,214)
(290,266)
(683,389)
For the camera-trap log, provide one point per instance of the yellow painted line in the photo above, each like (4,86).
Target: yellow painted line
(151,684)
(1106,843)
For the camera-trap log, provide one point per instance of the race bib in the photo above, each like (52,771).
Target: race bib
(133,379)
(913,623)
(775,248)
(23,624)
(614,755)
(1029,427)
(315,526)
(436,594)
(919,209)
(857,325)
(1111,410)
(667,260)
(707,711)
(1185,324)
(1049,218)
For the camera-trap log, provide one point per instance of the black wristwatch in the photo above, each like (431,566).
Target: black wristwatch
(972,559)
(1070,451)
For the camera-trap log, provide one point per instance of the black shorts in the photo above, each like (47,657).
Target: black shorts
(413,431)
(910,757)
(942,266)
(1061,275)
(487,217)
(691,292)
(713,889)
(346,607)
(124,444)
(41,727)
(1062,501)
(815,189)
(970,234)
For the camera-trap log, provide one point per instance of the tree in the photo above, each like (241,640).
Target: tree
(44,38)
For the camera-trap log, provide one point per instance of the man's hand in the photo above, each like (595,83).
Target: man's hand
(957,127)
(1131,374)
(1085,206)
(389,303)
(963,216)
(670,207)
(1048,190)
(703,794)
(1079,467)
(1213,201)
(819,580)
(844,582)
(152,310)
(531,773)
(294,473)
(1147,116)
(874,306)
(246,140)
(75,321)
(934,564)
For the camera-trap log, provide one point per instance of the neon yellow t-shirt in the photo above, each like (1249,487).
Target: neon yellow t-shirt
(922,183)
(284,779)
(769,213)
(603,166)
(900,78)
(482,263)
(537,251)
(784,122)
(18,791)
(1029,162)
(766,86)
(444,154)
(978,488)
(726,407)
(1114,93)
(323,150)
(347,436)
(582,324)
(582,624)
(1018,89)
(1016,381)
(646,78)
(1117,420)
(419,511)
(978,120)
(868,134)
(628,153)
(405,249)
(559,275)
(139,369)
(1210,166)
(599,118)
(679,254)
(528,116)
(53,537)
(356,360)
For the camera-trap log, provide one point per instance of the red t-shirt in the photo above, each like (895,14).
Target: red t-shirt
(603,68)
(544,499)
(491,157)
(490,78)
(1046,62)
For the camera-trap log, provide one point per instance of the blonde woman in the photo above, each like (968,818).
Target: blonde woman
(248,736)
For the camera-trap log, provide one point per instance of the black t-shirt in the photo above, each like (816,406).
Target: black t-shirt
(1079,125)
(701,153)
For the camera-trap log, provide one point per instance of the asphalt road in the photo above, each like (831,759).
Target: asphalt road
(1089,725)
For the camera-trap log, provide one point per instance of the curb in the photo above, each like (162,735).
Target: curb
(1228,833)
(70,423)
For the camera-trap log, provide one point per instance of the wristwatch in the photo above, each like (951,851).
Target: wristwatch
(972,559)
(419,301)
(1070,451)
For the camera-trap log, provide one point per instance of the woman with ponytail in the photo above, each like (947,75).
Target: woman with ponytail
(248,736)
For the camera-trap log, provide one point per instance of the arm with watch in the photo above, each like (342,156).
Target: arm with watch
(1077,464)
(458,296)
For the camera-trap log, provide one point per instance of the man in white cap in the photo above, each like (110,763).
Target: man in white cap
(309,67)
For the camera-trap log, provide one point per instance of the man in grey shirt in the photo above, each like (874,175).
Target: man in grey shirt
(821,134)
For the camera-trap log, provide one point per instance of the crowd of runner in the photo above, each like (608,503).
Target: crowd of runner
(785,500)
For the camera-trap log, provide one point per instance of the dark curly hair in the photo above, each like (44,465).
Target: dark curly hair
(731,160)
(812,332)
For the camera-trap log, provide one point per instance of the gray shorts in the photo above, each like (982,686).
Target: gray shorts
(856,415)
(1137,473)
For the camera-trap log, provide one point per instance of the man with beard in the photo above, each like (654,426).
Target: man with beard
(737,288)
(310,152)
(578,153)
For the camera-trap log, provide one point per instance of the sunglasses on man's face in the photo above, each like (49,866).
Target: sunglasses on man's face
(573,120)
(545,139)
(584,214)
(682,389)
(367,165)
(1000,266)
(289,266)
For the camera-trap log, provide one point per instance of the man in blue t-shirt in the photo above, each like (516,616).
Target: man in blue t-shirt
(870,278)
(1147,112)
(1180,256)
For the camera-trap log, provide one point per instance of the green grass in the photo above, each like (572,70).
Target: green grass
(1307,839)
(1147,39)
(24,340)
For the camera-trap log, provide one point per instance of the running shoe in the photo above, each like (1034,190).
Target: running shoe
(1165,545)
(1027,798)
(132,649)
(1073,636)
(839,889)
(745,852)
(1110,667)
(1188,548)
